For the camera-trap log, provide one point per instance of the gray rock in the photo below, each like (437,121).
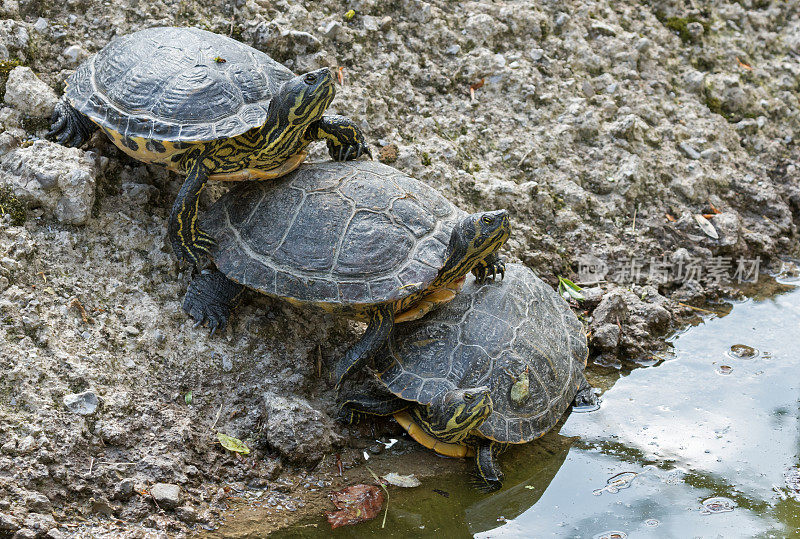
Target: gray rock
(25,533)
(85,403)
(689,150)
(9,523)
(55,533)
(38,502)
(40,522)
(166,495)
(28,94)
(298,431)
(124,489)
(695,30)
(74,54)
(59,179)
(40,25)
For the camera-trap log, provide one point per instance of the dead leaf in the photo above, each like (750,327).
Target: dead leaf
(405,481)
(706,226)
(355,504)
(233,444)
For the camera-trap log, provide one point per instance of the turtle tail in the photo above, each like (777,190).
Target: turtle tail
(68,126)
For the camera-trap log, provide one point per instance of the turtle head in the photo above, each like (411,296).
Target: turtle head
(458,412)
(477,236)
(304,98)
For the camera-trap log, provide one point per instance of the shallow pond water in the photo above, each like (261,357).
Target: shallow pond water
(705,443)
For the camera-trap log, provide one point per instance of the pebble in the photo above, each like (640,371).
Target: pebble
(74,54)
(131,330)
(166,495)
(85,403)
(29,94)
(689,150)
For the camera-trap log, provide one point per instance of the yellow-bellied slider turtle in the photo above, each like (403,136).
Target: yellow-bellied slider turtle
(204,105)
(359,239)
(497,365)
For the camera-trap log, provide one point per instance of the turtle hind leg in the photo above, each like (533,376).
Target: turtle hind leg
(488,476)
(344,139)
(378,330)
(211,298)
(69,127)
(354,407)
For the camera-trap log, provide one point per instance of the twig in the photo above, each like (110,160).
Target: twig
(91,466)
(217,418)
(698,308)
(386,511)
(524,157)
(635,211)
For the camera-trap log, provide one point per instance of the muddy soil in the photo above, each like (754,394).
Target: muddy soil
(630,141)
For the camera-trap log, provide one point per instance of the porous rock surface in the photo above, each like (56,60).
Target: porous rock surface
(605,127)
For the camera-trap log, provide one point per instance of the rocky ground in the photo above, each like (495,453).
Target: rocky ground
(606,128)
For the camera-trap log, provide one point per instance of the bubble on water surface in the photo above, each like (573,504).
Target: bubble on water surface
(611,535)
(616,483)
(718,504)
(742,351)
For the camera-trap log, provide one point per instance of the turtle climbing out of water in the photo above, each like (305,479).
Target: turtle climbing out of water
(358,239)
(206,106)
(498,365)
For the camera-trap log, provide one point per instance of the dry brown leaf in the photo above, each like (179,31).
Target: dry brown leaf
(355,504)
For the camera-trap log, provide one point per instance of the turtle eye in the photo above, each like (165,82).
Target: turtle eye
(310,78)
(469,396)
(486,220)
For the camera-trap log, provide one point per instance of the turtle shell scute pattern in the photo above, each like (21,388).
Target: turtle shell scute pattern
(355,233)
(167,84)
(490,335)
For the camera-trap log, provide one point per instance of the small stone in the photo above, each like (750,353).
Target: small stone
(689,150)
(38,502)
(331,29)
(694,29)
(227,363)
(29,94)
(82,403)
(24,533)
(74,54)
(166,495)
(40,25)
(453,49)
(55,533)
(124,489)
(187,514)
(131,330)
(388,154)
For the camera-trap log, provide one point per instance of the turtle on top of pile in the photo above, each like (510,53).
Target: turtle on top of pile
(206,106)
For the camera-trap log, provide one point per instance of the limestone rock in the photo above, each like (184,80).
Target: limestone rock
(81,403)
(28,94)
(301,433)
(166,495)
(61,180)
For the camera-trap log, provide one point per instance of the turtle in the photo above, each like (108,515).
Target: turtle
(498,365)
(358,239)
(203,105)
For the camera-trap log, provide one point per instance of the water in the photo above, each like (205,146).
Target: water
(703,444)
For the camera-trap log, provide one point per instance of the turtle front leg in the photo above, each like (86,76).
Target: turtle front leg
(491,265)
(211,298)
(378,330)
(69,127)
(585,398)
(356,405)
(344,138)
(488,477)
(189,241)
